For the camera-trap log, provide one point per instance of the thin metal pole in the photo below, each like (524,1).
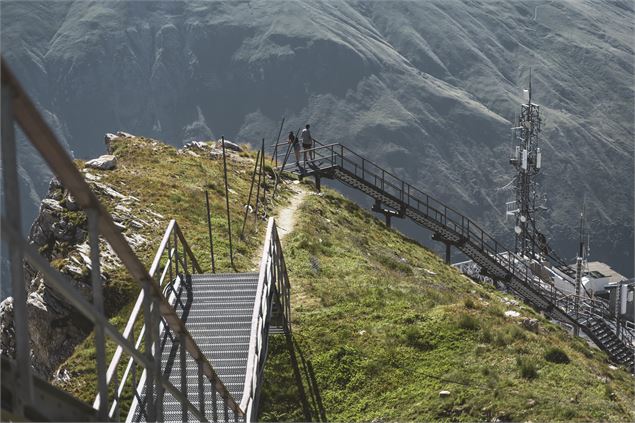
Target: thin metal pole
(214,404)
(150,377)
(251,188)
(275,149)
(23,381)
(209,230)
(229,223)
(156,328)
(98,303)
(184,414)
(201,390)
(258,189)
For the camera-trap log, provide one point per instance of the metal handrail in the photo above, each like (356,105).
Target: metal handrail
(273,279)
(155,304)
(463,228)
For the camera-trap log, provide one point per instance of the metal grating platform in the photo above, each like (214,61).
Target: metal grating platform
(217,310)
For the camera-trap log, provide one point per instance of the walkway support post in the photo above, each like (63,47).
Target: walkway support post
(229,223)
(448,253)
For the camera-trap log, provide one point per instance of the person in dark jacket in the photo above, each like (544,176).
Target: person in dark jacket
(295,144)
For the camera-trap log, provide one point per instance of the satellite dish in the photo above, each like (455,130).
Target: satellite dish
(518,230)
(523,218)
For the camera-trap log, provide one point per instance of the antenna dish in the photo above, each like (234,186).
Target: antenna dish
(517,230)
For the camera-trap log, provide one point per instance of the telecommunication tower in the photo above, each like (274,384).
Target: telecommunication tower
(527,161)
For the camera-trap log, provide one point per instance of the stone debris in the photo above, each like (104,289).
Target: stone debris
(430,272)
(51,204)
(107,190)
(90,177)
(509,301)
(135,240)
(511,313)
(105,162)
(531,325)
(444,394)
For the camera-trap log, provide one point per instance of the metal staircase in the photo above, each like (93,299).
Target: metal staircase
(395,197)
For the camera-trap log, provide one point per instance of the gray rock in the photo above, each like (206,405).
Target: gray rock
(105,162)
(229,145)
(531,324)
(444,394)
(7,331)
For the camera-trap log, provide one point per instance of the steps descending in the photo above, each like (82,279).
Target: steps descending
(335,161)
(217,310)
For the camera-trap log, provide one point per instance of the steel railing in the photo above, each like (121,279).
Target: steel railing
(458,228)
(157,310)
(273,287)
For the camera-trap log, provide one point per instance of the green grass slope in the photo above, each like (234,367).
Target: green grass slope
(381,325)
(171,184)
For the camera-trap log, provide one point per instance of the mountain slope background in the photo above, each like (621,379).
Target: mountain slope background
(427,89)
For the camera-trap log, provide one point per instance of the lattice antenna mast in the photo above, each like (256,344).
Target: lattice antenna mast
(527,161)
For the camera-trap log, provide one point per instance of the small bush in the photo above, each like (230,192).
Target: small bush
(527,368)
(467,322)
(414,338)
(556,355)
(469,303)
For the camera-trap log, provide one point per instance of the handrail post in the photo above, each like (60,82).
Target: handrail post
(229,223)
(23,380)
(98,303)
(209,230)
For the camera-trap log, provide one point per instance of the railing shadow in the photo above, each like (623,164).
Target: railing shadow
(316,407)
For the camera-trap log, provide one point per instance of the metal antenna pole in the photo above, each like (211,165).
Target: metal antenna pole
(251,188)
(229,223)
(209,229)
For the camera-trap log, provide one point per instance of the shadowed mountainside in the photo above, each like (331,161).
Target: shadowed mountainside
(428,89)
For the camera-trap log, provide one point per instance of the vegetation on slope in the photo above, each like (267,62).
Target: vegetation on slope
(381,325)
(170,183)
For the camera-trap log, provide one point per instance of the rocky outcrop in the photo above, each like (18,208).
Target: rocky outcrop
(59,232)
(105,162)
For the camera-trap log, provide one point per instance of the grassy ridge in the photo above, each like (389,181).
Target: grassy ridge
(172,184)
(382,325)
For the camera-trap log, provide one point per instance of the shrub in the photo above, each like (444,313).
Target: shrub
(467,322)
(527,367)
(556,355)
(414,338)
(469,303)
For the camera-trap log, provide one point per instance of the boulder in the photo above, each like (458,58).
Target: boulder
(105,162)
(444,394)
(229,145)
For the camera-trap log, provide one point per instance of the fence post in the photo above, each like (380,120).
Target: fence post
(229,223)
(23,381)
(209,230)
(251,188)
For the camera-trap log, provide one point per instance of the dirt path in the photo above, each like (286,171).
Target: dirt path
(286,217)
(285,221)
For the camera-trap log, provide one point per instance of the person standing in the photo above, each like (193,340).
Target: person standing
(307,142)
(295,144)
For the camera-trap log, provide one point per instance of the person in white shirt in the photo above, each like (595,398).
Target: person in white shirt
(307,142)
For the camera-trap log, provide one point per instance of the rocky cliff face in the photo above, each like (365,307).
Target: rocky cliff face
(427,89)
(59,232)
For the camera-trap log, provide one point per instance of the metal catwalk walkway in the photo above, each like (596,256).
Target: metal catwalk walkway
(397,198)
